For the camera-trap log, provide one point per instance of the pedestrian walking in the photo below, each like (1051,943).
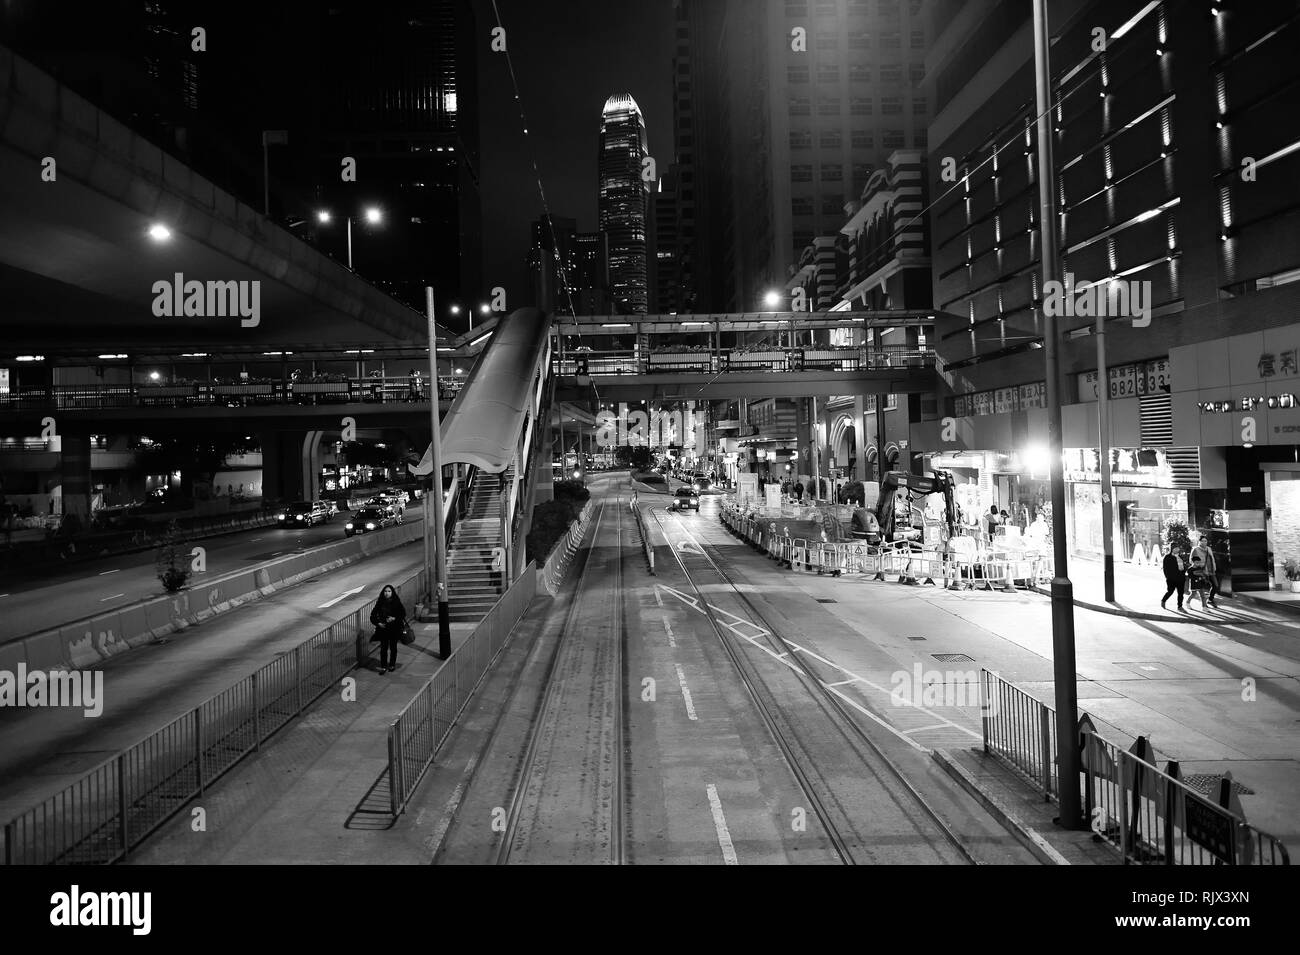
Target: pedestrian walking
(1210,568)
(798,491)
(417,385)
(389,618)
(1175,576)
(1197,585)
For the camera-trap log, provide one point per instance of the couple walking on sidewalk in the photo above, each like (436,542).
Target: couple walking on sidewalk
(1195,571)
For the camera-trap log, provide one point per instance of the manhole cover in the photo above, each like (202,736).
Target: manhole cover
(825,600)
(916,638)
(1208,783)
(952,658)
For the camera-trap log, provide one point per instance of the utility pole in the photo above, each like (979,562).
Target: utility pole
(1103,462)
(1067,703)
(437,574)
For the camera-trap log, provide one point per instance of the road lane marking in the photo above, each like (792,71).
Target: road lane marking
(668,628)
(114,597)
(843,682)
(754,638)
(343,596)
(107,572)
(686,693)
(720,824)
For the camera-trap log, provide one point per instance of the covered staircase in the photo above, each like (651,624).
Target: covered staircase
(472,588)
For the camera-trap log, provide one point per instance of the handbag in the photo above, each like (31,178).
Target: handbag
(408,634)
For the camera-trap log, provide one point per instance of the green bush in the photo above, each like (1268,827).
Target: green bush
(551,520)
(1176,534)
(574,491)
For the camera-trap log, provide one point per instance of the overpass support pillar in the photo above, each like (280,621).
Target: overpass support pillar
(74,468)
(280,472)
(310,462)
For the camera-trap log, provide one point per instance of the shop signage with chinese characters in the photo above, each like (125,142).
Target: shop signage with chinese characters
(1127,381)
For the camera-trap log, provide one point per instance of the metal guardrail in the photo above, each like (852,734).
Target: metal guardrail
(389,390)
(423,725)
(1149,815)
(860,358)
(952,569)
(114,807)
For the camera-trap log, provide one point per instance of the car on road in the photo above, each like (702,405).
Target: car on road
(397,493)
(368,519)
(686,498)
(699,481)
(303,514)
(330,507)
(392,505)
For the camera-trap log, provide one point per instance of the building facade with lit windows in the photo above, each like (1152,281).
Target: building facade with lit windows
(877,260)
(624,202)
(1176,158)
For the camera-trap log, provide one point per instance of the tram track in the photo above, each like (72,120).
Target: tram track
(867,808)
(571,781)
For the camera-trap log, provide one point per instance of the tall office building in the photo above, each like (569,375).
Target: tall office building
(553,264)
(400,81)
(665,245)
(1176,158)
(624,198)
(795,124)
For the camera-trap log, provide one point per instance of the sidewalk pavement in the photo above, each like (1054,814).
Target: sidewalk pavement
(1138,589)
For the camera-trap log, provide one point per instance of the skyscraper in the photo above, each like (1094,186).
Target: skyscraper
(786,127)
(401,85)
(623,201)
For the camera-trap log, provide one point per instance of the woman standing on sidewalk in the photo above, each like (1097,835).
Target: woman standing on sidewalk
(389,618)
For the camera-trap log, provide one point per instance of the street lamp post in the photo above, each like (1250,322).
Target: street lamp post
(435,500)
(1067,703)
(372,215)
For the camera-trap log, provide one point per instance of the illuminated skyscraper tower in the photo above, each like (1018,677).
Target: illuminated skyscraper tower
(624,197)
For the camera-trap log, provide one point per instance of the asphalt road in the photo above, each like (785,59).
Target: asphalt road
(43,750)
(32,605)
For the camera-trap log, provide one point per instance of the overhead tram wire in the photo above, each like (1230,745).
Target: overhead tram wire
(541,189)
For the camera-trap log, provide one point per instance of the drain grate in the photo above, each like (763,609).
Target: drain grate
(1208,784)
(826,600)
(952,658)
(916,638)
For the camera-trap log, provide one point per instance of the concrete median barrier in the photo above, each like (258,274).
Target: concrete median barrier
(88,642)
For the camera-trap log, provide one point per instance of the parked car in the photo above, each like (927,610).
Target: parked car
(397,493)
(303,514)
(368,519)
(686,498)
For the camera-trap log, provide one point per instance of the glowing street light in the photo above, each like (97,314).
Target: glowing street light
(372,214)
(159,232)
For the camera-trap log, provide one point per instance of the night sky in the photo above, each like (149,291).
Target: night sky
(569,57)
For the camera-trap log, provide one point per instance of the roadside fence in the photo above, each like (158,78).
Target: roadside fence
(114,807)
(1151,816)
(423,725)
(960,566)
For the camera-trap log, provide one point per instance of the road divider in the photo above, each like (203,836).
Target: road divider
(88,642)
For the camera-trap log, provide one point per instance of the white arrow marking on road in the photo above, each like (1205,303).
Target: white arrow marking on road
(343,596)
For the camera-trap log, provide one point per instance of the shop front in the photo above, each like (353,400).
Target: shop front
(1142,483)
(1240,397)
